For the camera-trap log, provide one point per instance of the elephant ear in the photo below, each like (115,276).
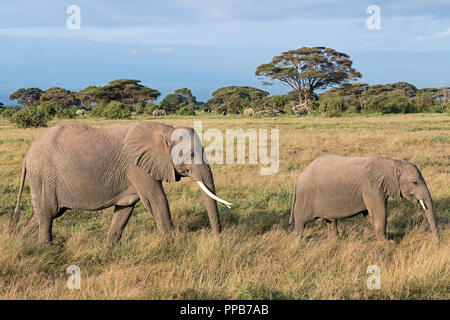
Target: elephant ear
(385,174)
(148,146)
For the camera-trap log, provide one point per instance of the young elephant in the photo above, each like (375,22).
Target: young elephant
(334,187)
(73,166)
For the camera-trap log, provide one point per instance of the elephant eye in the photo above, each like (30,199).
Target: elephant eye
(415,182)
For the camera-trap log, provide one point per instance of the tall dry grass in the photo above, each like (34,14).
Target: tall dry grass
(257,256)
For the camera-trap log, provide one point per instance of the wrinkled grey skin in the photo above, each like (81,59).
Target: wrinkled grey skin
(73,166)
(334,187)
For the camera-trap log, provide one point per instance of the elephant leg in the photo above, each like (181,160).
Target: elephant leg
(45,220)
(30,226)
(33,224)
(160,207)
(368,217)
(45,209)
(120,220)
(377,208)
(153,197)
(299,226)
(379,224)
(332,229)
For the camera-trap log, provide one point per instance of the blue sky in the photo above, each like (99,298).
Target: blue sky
(206,44)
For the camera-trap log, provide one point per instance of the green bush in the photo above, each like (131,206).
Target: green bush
(117,110)
(186,111)
(438,107)
(234,99)
(30,117)
(8,112)
(398,102)
(352,105)
(97,111)
(150,107)
(422,102)
(372,104)
(140,107)
(173,102)
(278,102)
(331,106)
(67,113)
(48,108)
(234,106)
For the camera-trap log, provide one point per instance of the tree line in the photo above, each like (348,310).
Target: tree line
(305,71)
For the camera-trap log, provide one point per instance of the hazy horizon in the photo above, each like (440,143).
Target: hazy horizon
(204,45)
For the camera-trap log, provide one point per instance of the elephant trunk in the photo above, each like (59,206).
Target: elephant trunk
(429,212)
(210,203)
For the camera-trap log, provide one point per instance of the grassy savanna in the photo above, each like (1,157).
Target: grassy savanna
(257,256)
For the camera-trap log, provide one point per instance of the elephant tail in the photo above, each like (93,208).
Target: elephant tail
(291,218)
(15,215)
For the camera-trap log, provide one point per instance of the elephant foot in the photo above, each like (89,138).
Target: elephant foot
(46,243)
(381,237)
(385,241)
(168,235)
(112,240)
(166,230)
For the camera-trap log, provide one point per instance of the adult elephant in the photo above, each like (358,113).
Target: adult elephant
(249,112)
(157,113)
(333,187)
(73,166)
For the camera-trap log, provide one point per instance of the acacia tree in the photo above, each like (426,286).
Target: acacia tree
(91,95)
(27,97)
(349,89)
(173,102)
(234,99)
(60,98)
(128,91)
(308,69)
(187,94)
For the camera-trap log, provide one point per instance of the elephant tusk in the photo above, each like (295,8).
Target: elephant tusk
(423,205)
(212,195)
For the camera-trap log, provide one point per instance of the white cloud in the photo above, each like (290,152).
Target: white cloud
(343,34)
(438,35)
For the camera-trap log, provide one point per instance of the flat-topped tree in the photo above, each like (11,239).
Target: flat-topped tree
(92,95)
(308,69)
(382,91)
(27,97)
(130,91)
(60,98)
(349,89)
(234,99)
(409,89)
